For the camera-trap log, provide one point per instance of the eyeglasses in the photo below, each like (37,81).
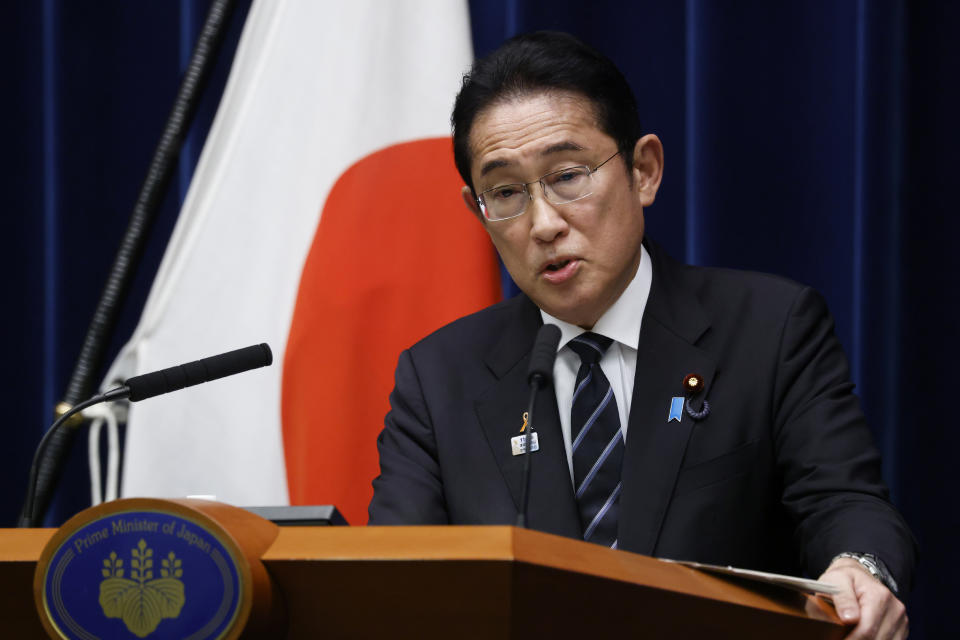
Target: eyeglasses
(559,187)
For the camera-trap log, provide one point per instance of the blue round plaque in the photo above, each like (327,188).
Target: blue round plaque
(142,574)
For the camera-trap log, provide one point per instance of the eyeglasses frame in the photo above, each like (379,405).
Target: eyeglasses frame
(523,187)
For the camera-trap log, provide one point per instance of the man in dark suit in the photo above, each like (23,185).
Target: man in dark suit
(696,414)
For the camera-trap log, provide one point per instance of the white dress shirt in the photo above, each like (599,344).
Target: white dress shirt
(621,323)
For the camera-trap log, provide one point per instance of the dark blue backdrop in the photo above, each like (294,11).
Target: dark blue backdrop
(813,139)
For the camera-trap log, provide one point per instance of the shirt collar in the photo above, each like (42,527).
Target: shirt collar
(621,322)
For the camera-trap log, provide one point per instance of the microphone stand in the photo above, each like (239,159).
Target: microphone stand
(542,357)
(45,468)
(48,458)
(536,383)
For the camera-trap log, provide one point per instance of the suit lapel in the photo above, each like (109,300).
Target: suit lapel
(673,321)
(552,507)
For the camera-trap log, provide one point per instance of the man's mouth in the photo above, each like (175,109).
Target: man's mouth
(561,270)
(556,266)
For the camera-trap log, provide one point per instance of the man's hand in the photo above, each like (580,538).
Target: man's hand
(866,602)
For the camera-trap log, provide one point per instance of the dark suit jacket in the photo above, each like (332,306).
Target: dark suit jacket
(781,476)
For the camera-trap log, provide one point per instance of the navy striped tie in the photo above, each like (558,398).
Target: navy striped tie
(597,443)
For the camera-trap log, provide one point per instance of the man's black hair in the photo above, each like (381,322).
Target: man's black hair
(545,61)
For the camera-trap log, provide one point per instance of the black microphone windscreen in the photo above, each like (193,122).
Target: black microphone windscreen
(186,375)
(544,353)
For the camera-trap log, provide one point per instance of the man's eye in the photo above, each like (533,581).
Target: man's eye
(567,175)
(505,193)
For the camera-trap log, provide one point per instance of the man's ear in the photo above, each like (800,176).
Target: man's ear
(647,168)
(467,194)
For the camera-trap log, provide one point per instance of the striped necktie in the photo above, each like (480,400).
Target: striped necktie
(597,443)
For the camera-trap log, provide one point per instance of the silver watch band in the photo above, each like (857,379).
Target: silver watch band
(874,566)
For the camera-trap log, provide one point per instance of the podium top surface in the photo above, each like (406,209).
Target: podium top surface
(509,544)
(23,545)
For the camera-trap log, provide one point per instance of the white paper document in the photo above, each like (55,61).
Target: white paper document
(791,582)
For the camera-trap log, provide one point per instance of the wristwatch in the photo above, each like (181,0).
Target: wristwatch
(874,567)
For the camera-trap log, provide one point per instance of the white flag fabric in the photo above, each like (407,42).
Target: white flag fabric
(320,95)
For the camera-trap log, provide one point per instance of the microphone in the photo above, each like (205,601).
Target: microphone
(153,384)
(45,467)
(543,355)
(539,374)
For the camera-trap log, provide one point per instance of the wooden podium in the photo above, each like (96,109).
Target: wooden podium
(456,582)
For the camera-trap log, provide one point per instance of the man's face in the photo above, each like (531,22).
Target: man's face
(575,259)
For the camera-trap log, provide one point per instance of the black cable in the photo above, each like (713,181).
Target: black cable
(159,173)
(131,248)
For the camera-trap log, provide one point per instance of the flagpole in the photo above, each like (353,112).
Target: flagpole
(130,251)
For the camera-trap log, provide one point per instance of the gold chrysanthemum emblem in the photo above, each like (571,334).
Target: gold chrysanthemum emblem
(693,383)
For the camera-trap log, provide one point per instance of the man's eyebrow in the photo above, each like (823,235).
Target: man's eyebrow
(490,166)
(566,145)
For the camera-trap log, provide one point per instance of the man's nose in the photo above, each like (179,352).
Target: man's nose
(546,222)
